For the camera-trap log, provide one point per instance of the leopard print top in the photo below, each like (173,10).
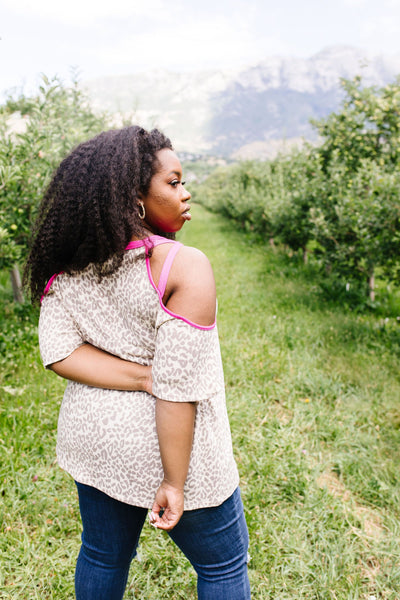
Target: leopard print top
(107,438)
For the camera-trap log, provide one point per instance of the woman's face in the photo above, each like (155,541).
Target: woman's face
(166,201)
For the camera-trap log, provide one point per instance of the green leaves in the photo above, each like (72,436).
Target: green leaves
(358,225)
(35,134)
(367,126)
(340,199)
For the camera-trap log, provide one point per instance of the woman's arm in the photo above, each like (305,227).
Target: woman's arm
(97,368)
(175,426)
(192,296)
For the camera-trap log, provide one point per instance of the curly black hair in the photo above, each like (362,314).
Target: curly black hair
(89,212)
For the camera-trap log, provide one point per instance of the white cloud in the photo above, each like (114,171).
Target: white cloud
(387,27)
(83,12)
(376,24)
(192,43)
(356,3)
(121,36)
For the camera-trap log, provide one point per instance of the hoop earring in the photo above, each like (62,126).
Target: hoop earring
(141,210)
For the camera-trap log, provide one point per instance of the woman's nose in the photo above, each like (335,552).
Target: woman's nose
(186,194)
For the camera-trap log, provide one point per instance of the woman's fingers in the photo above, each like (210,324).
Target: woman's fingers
(167,507)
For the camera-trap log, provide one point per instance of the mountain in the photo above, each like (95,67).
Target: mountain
(244,112)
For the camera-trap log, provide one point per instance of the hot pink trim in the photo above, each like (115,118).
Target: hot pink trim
(135,244)
(169,312)
(162,282)
(149,242)
(48,285)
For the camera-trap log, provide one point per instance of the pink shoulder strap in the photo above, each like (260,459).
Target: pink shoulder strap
(48,285)
(167,267)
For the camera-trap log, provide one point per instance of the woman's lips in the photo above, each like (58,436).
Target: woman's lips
(186,215)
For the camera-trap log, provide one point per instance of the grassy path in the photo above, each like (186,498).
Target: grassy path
(313,395)
(314,401)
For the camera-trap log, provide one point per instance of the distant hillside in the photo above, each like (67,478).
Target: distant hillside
(243,112)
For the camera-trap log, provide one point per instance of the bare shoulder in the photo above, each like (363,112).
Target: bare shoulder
(192,264)
(192,287)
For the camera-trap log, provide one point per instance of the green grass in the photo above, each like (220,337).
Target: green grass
(313,393)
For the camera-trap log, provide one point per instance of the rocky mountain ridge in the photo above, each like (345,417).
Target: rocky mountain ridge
(245,112)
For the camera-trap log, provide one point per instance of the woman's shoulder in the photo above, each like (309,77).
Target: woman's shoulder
(188,262)
(193,254)
(192,265)
(191,287)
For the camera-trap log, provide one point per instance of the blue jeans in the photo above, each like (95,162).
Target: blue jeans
(215,540)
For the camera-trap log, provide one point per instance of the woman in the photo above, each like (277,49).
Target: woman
(125,287)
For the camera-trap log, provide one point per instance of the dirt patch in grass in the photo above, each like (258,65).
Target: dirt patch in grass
(371,521)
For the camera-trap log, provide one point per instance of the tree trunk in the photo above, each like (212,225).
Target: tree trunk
(371,285)
(16,284)
(305,256)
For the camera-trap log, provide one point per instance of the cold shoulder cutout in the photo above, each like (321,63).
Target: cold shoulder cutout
(186,285)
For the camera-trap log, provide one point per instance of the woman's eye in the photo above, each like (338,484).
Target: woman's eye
(175,182)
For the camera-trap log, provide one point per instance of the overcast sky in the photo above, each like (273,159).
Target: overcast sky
(105,37)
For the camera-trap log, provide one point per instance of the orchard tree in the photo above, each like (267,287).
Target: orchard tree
(361,229)
(257,196)
(366,127)
(249,192)
(356,217)
(303,182)
(52,123)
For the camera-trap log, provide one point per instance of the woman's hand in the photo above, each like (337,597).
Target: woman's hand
(175,425)
(168,502)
